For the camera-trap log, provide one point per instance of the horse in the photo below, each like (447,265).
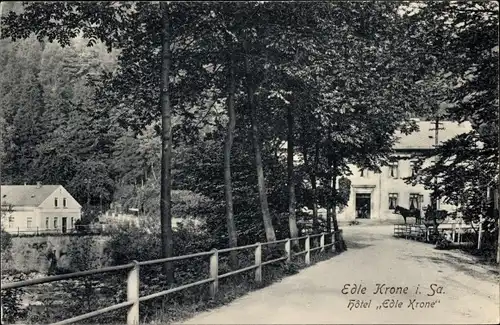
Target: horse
(439,216)
(430,214)
(406,213)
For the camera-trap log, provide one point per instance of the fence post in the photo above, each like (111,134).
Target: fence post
(334,249)
(18,231)
(37,231)
(288,250)
(308,250)
(453,232)
(258,263)
(322,243)
(214,272)
(133,294)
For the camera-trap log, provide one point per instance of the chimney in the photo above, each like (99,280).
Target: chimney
(38,184)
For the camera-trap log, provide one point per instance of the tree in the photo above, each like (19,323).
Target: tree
(228,143)
(166,141)
(111,20)
(462,77)
(22,100)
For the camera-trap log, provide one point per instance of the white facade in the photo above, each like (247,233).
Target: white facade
(382,188)
(371,193)
(377,190)
(31,209)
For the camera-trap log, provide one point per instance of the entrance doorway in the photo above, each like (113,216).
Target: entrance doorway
(363,205)
(64,225)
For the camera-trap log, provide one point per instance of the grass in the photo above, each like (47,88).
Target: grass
(485,256)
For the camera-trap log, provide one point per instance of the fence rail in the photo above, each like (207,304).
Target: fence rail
(133,282)
(420,232)
(77,229)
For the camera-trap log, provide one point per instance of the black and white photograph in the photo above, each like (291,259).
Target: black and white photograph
(249,162)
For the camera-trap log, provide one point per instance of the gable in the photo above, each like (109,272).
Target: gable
(60,193)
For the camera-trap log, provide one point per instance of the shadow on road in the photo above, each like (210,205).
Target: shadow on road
(464,265)
(356,244)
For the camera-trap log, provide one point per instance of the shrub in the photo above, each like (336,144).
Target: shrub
(6,243)
(12,299)
(132,244)
(82,253)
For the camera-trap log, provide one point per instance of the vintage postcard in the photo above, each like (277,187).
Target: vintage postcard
(249,162)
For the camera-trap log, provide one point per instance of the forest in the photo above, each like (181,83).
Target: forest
(189,109)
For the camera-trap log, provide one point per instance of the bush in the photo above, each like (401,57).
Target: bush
(6,243)
(6,240)
(12,298)
(132,244)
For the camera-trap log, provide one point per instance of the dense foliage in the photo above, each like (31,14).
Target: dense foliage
(463,75)
(334,82)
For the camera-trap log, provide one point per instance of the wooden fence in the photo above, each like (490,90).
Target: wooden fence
(76,230)
(420,232)
(133,295)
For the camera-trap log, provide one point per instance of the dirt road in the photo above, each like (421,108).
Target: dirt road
(462,292)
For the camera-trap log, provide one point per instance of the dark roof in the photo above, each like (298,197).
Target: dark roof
(26,195)
(424,138)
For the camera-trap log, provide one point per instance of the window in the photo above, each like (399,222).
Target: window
(11,221)
(412,168)
(393,170)
(55,202)
(55,222)
(393,200)
(29,222)
(47,222)
(64,202)
(415,201)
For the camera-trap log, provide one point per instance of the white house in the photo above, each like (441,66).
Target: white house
(375,195)
(32,209)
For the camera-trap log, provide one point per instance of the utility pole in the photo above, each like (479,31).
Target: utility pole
(435,199)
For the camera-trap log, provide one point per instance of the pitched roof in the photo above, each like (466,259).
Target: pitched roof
(424,138)
(26,195)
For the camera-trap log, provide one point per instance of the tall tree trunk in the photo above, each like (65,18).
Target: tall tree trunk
(266,215)
(496,211)
(166,144)
(330,198)
(292,203)
(329,217)
(231,228)
(314,189)
(496,205)
(2,152)
(434,211)
(338,244)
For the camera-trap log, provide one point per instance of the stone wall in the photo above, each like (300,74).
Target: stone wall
(32,253)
